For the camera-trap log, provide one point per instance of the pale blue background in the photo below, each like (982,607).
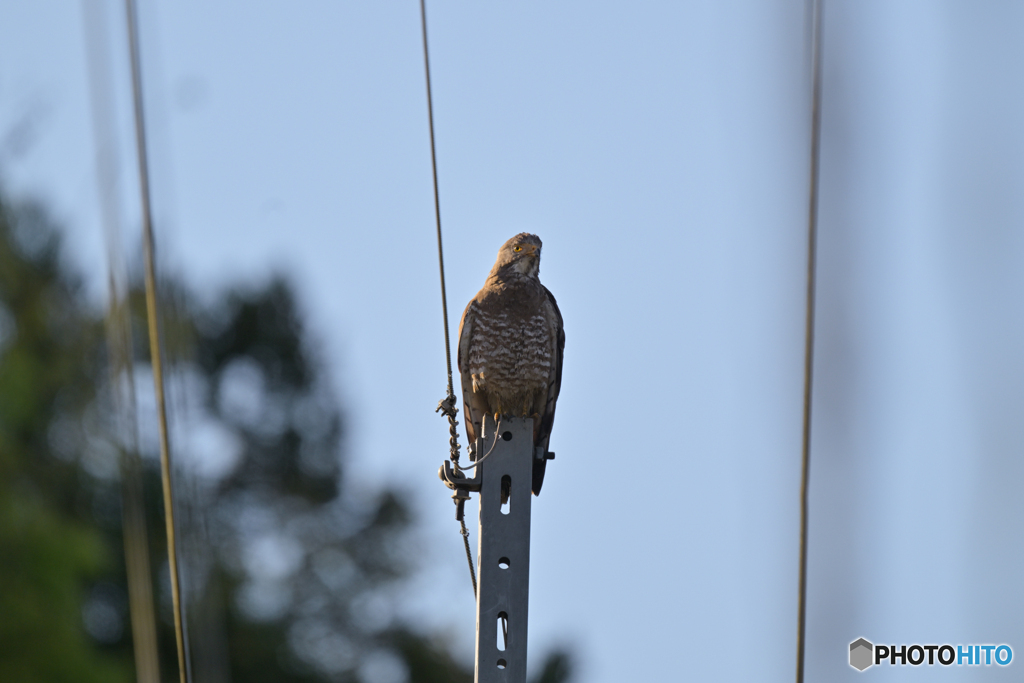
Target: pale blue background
(660,150)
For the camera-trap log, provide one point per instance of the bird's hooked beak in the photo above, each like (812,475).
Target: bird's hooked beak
(527,259)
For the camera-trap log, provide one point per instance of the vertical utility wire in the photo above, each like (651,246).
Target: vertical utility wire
(154,333)
(812,246)
(120,344)
(448,404)
(437,201)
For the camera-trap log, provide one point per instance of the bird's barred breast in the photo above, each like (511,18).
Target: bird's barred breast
(510,353)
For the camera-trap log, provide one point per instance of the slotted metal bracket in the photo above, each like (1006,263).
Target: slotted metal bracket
(503,546)
(503,555)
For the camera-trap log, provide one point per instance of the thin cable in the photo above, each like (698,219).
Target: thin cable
(469,554)
(497,434)
(812,246)
(447,405)
(154,333)
(437,200)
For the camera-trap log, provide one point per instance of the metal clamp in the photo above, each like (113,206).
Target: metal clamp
(457,482)
(462,486)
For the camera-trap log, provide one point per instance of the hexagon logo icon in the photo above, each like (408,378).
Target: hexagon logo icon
(861,654)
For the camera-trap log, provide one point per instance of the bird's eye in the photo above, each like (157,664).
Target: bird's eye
(517,249)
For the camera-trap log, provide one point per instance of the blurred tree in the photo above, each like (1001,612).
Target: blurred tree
(289,573)
(309,570)
(50,549)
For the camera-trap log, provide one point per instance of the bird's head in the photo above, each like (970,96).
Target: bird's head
(518,256)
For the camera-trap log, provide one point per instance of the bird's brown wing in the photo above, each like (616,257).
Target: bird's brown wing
(474,406)
(547,418)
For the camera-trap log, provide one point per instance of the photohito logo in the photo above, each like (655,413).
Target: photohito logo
(863,654)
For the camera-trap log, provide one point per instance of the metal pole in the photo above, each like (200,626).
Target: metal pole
(503,554)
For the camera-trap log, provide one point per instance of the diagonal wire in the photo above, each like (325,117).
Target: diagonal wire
(154,334)
(437,201)
(812,246)
(469,555)
(448,403)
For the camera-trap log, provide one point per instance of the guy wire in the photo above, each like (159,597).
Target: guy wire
(448,404)
(437,200)
(154,333)
(469,555)
(812,246)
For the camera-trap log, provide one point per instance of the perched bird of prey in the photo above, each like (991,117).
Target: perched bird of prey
(510,348)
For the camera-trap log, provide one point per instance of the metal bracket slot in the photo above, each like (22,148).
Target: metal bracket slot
(503,555)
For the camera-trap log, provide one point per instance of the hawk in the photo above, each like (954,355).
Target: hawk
(510,348)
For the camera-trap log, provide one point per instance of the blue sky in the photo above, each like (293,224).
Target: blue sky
(660,151)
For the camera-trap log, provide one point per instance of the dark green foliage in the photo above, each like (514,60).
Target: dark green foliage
(50,551)
(290,574)
(309,598)
(557,669)
(428,664)
(258,335)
